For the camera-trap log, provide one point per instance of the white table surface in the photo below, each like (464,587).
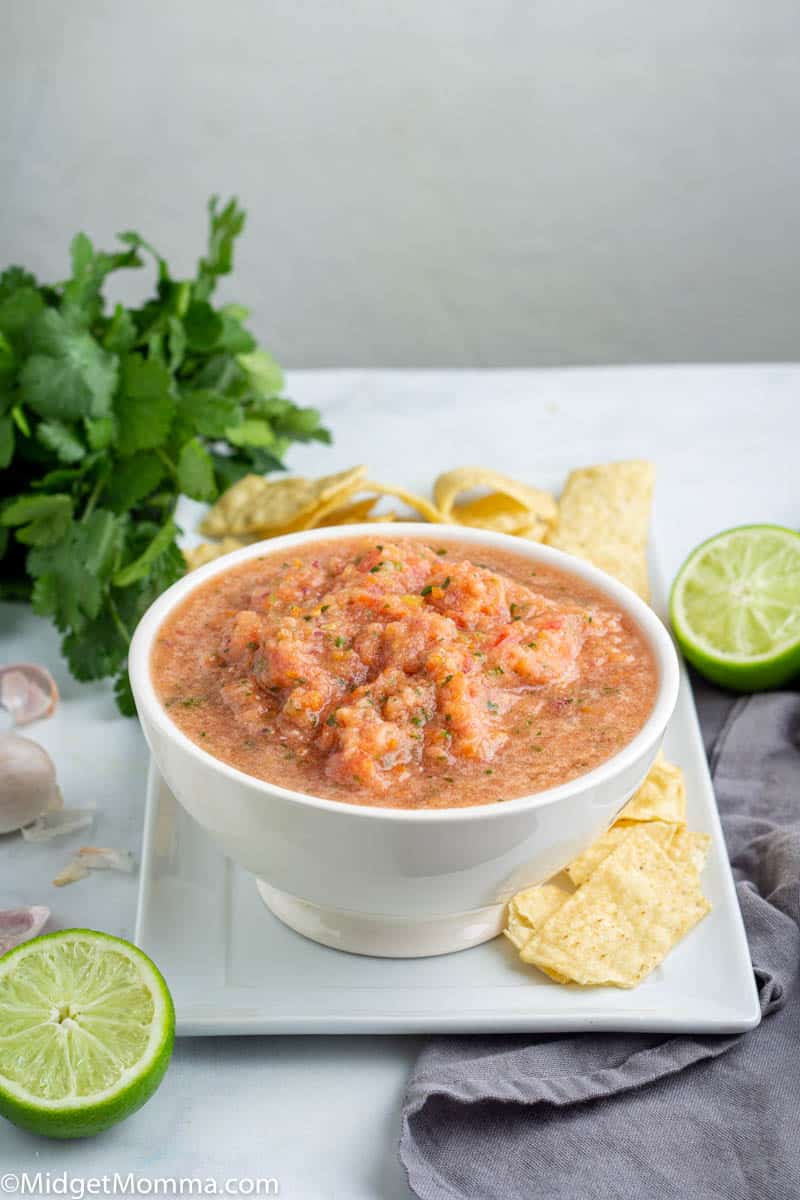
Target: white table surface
(321,1114)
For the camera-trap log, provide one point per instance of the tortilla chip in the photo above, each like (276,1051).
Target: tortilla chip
(662,796)
(334,512)
(509,507)
(206,552)
(261,507)
(617,927)
(418,503)
(687,848)
(604,515)
(345,514)
(662,832)
(535,532)
(502,514)
(530,909)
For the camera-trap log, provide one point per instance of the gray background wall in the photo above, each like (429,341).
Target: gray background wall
(430,182)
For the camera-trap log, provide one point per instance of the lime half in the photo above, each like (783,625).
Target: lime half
(86,1032)
(735,607)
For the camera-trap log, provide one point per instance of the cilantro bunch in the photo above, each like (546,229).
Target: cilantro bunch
(106,418)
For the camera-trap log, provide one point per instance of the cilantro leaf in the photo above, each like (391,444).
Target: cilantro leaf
(252,432)
(13,279)
(134,478)
(68,375)
(144,407)
(120,336)
(230,468)
(137,242)
(234,338)
(81,298)
(203,327)
(196,472)
(263,373)
(123,694)
(301,425)
(63,441)
(69,575)
(209,412)
(40,520)
(139,568)
(19,307)
(100,432)
(167,565)
(224,227)
(222,373)
(99,649)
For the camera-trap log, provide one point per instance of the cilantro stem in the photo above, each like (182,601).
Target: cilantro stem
(167,461)
(18,416)
(93,497)
(121,628)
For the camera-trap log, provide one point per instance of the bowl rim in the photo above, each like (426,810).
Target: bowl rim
(656,634)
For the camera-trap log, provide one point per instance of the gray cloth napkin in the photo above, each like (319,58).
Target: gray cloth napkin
(679,1118)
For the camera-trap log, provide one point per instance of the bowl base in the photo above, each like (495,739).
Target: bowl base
(383,936)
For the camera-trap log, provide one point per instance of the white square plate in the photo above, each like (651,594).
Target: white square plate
(234,968)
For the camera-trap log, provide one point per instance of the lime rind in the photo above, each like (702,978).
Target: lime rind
(88,1027)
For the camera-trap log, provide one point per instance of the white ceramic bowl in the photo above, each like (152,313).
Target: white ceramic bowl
(387,881)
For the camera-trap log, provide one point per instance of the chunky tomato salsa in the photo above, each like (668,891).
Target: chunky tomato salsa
(412,674)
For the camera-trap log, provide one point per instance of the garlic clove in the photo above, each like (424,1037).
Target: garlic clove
(18,925)
(27,782)
(28,692)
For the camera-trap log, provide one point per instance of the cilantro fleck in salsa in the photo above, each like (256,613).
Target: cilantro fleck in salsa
(410,674)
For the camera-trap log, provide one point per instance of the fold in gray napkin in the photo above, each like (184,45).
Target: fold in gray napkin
(609,1115)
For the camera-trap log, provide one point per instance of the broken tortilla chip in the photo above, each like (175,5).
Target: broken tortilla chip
(604,516)
(662,796)
(688,848)
(418,503)
(617,927)
(530,909)
(269,507)
(206,552)
(345,514)
(508,507)
(581,868)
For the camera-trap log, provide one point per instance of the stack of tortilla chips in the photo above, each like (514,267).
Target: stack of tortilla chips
(635,893)
(256,508)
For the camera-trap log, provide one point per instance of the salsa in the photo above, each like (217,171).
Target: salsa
(410,674)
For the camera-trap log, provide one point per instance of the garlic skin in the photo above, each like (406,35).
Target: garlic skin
(18,925)
(94,858)
(28,692)
(57,823)
(27,782)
